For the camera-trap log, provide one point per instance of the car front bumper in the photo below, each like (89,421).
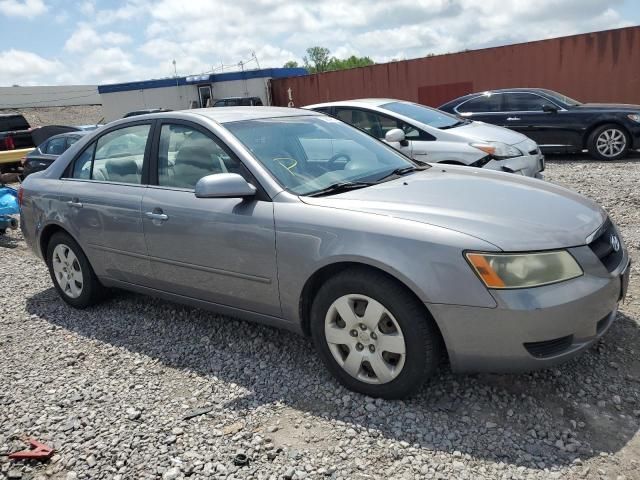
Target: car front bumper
(527,165)
(536,327)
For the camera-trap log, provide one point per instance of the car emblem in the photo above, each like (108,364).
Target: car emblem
(615,243)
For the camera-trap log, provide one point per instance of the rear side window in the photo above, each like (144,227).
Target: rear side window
(115,157)
(483,103)
(524,102)
(56,146)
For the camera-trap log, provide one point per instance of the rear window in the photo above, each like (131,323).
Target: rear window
(13,122)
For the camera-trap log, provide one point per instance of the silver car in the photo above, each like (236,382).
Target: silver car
(434,136)
(295,219)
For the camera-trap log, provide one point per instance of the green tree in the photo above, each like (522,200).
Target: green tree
(351,62)
(291,64)
(317,59)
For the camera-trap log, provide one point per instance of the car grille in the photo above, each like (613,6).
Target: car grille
(602,246)
(549,348)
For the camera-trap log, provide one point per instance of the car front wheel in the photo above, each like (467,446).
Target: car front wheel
(609,142)
(373,335)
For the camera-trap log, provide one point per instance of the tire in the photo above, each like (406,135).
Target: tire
(609,142)
(66,260)
(361,295)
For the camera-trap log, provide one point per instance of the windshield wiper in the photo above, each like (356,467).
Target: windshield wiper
(453,125)
(339,188)
(398,172)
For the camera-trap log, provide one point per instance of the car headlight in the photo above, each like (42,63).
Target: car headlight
(523,270)
(498,150)
(635,117)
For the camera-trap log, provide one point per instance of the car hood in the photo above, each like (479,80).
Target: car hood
(625,107)
(480,131)
(512,212)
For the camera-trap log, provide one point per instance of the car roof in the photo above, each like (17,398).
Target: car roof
(371,102)
(235,114)
(78,133)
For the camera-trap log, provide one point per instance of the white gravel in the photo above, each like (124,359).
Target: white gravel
(110,388)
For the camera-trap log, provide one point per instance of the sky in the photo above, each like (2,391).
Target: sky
(68,42)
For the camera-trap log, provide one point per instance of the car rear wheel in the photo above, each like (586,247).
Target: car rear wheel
(609,142)
(373,335)
(71,272)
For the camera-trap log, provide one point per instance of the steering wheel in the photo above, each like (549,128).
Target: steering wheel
(334,160)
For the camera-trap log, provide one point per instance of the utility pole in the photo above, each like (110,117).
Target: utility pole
(175,74)
(246,90)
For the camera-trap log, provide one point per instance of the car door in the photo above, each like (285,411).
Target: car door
(102,200)
(220,250)
(373,123)
(538,118)
(484,108)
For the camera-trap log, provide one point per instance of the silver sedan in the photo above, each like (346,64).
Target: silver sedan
(297,220)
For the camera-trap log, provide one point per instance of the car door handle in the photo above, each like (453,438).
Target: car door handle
(75,203)
(156,216)
(513,119)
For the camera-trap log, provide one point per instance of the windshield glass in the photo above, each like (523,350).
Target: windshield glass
(561,98)
(307,154)
(430,116)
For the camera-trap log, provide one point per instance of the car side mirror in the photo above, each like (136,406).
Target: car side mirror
(395,135)
(224,185)
(549,108)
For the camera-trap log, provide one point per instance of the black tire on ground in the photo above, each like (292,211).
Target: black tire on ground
(602,131)
(422,337)
(92,290)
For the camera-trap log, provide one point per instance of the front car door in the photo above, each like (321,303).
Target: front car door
(528,113)
(220,250)
(102,200)
(373,123)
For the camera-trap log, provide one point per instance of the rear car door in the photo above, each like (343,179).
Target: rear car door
(220,250)
(487,108)
(102,202)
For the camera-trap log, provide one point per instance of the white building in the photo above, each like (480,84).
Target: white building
(194,91)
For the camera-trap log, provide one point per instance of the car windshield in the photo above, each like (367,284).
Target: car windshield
(429,116)
(311,154)
(561,98)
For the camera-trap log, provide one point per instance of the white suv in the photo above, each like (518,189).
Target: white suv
(433,136)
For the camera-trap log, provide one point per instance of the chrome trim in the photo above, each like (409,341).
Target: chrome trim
(503,112)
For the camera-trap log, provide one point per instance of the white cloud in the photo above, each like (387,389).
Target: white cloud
(26,8)
(27,68)
(85,39)
(202,34)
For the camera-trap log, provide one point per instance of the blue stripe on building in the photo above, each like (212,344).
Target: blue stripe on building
(198,79)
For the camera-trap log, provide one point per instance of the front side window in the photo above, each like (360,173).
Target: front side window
(490,102)
(56,146)
(186,155)
(307,154)
(524,102)
(115,157)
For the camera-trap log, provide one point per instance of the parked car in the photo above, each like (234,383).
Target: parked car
(45,153)
(238,102)
(15,141)
(297,220)
(558,123)
(429,135)
(145,111)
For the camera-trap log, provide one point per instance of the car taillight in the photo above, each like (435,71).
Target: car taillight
(20,195)
(8,143)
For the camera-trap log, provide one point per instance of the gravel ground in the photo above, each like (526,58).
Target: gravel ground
(111,388)
(68,115)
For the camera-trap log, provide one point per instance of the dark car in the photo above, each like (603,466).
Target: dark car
(135,113)
(558,124)
(238,102)
(15,132)
(45,153)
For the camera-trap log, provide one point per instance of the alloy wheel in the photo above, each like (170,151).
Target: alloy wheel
(365,339)
(611,142)
(67,271)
